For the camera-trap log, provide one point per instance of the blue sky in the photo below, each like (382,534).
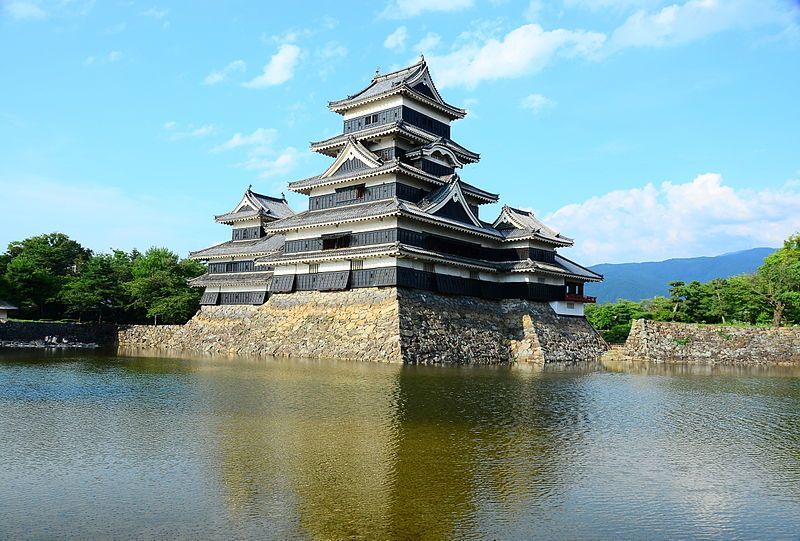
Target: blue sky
(643,129)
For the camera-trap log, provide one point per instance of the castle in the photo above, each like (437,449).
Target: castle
(391,210)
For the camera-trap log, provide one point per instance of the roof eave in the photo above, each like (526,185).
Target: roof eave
(343,105)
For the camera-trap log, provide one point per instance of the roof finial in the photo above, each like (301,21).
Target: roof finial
(250,188)
(283,196)
(377,70)
(421,57)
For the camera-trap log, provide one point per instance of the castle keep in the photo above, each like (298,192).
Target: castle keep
(392,233)
(392,210)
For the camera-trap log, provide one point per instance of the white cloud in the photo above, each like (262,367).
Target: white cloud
(282,164)
(279,69)
(156,13)
(533,11)
(617,5)
(331,51)
(217,76)
(24,10)
(428,43)
(522,51)
(175,132)
(110,58)
(397,39)
(260,137)
(701,217)
(696,19)
(536,103)
(398,9)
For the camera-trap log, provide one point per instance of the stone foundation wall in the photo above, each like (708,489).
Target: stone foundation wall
(437,328)
(354,324)
(381,324)
(713,344)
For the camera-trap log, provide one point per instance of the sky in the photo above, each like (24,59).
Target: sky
(643,129)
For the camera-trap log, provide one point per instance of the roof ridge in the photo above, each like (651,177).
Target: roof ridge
(270,197)
(390,74)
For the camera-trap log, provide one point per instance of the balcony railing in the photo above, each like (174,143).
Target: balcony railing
(572,297)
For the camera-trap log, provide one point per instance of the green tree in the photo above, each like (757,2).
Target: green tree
(39,267)
(777,281)
(613,320)
(100,287)
(159,287)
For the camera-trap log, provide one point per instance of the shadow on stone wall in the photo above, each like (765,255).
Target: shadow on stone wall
(384,325)
(61,334)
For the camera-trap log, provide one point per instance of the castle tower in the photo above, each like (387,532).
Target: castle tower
(392,210)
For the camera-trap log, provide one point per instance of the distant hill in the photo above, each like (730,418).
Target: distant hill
(637,281)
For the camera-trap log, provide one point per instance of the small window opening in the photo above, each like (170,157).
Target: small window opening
(336,242)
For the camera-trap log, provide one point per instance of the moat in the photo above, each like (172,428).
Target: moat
(99,446)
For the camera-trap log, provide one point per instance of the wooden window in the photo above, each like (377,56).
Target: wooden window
(357,264)
(313,268)
(429,267)
(474,275)
(570,305)
(335,242)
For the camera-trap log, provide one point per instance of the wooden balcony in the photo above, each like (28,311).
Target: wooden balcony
(572,297)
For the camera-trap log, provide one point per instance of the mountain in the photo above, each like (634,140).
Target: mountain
(637,281)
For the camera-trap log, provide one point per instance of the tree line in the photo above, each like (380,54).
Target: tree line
(53,277)
(769,296)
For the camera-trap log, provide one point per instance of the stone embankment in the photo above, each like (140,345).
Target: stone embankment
(662,342)
(383,324)
(357,324)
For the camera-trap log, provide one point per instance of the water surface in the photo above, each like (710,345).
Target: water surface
(95,446)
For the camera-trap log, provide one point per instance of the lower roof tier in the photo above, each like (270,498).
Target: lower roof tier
(406,277)
(560,267)
(232,279)
(241,248)
(430,214)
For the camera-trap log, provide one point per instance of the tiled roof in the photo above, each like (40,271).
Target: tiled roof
(232,279)
(401,80)
(317,180)
(257,205)
(576,269)
(363,251)
(562,267)
(236,216)
(448,143)
(403,128)
(7,306)
(306,184)
(381,130)
(264,245)
(274,206)
(374,209)
(526,225)
(337,214)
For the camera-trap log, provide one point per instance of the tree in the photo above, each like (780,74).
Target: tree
(777,281)
(158,285)
(40,266)
(100,287)
(614,319)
